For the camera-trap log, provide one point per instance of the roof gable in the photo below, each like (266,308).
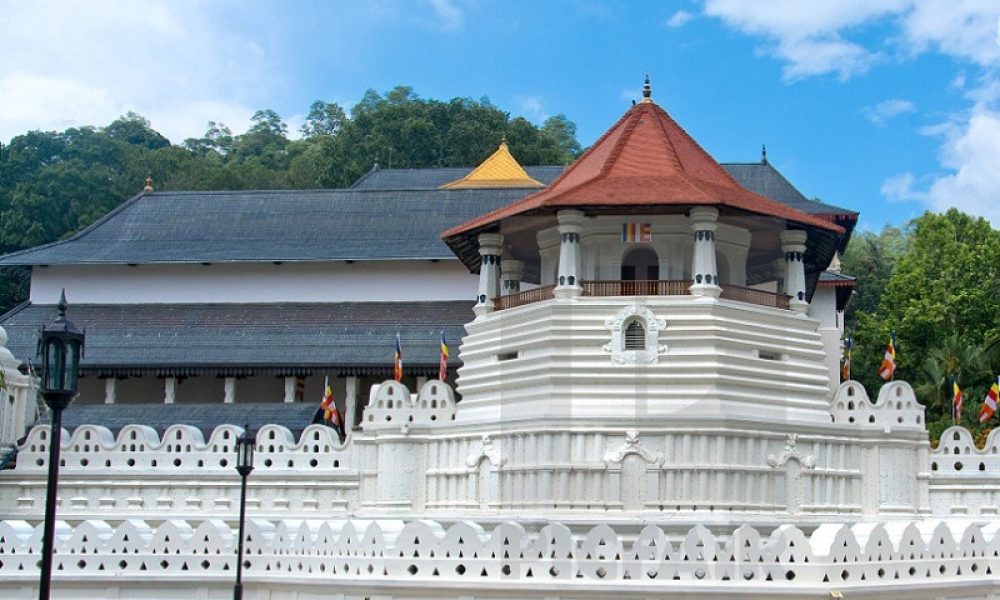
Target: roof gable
(499,170)
(645,159)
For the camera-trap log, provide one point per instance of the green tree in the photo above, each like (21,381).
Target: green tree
(323,119)
(940,303)
(870,258)
(52,184)
(563,132)
(133,128)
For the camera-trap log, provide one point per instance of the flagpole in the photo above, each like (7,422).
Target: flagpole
(895,353)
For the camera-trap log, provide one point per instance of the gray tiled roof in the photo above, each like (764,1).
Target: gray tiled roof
(390,214)
(232,338)
(206,417)
(429,179)
(835,277)
(765,180)
(301,225)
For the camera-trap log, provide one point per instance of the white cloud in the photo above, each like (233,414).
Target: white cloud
(679,19)
(807,35)
(813,38)
(817,38)
(87,62)
(532,107)
(973,156)
(449,17)
(971,152)
(967,29)
(958,82)
(900,188)
(887,109)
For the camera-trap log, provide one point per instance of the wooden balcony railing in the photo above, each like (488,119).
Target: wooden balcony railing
(752,296)
(673,287)
(525,297)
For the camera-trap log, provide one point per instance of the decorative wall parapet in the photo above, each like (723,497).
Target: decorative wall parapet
(896,408)
(393,552)
(392,406)
(957,454)
(139,451)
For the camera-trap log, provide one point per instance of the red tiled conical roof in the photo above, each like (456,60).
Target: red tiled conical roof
(645,159)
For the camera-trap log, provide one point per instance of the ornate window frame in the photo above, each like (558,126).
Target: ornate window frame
(616,325)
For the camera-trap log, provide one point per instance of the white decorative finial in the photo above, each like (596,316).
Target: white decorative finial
(7,360)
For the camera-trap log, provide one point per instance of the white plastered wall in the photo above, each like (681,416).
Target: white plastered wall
(823,308)
(361,281)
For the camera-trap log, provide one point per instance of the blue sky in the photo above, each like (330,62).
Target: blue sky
(889,107)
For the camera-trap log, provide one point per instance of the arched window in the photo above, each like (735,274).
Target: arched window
(635,335)
(640,264)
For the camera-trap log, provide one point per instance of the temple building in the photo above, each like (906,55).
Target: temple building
(259,297)
(644,401)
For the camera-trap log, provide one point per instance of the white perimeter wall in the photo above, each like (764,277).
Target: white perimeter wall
(361,281)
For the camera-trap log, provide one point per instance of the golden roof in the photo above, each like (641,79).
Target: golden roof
(500,170)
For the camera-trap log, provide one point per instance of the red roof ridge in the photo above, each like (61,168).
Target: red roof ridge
(616,150)
(641,163)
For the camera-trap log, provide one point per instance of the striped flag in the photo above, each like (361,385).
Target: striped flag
(990,403)
(330,413)
(956,401)
(397,363)
(637,232)
(443,367)
(845,365)
(888,368)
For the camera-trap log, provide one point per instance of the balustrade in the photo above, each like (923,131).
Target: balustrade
(672,287)
(665,287)
(525,297)
(754,296)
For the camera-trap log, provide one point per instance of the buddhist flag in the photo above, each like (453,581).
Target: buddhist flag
(845,365)
(888,368)
(956,401)
(637,232)
(443,366)
(990,403)
(397,363)
(330,413)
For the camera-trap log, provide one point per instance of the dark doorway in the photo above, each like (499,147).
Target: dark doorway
(640,264)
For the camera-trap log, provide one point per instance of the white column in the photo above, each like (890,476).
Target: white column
(289,390)
(793,244)
(490,248)
(109,390)
(169,390)
(570,226)
(703,265)
(779,268)
(350,403)
(230,387)
(511,273)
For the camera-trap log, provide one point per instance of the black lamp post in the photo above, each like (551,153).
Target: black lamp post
(61,347)
(244,465)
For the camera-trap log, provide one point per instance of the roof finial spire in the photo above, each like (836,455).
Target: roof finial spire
(149,183)
(763,154)
(503,140)
(63,305)
(647,92)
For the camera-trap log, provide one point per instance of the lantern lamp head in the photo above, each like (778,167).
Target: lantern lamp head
(61,347)
(244,452)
